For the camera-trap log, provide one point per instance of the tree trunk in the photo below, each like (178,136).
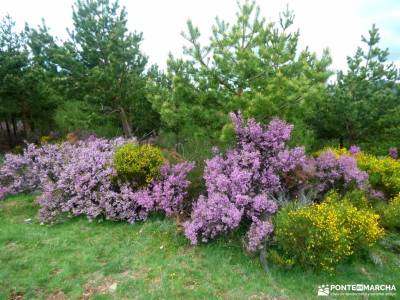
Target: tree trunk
(9,136)
(125,123)
(14,123)
(25,118)
(263,260)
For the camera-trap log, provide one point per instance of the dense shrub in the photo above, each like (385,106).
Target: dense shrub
(249,182)
(26,172)
(358,198)
(322,235)
(384,172)
(339,172)
(138,164)
(240,184)
(78,179)
(390,213)
(3,192)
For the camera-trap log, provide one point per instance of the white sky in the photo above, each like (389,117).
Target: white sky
(334,24)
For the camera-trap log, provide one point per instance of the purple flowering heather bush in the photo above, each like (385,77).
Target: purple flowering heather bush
(79,179)
(241,183)
(16,174)
(28,171)
(250,182)
(339,173)
(86,186)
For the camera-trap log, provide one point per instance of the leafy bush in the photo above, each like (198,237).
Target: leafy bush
(336,151)
(390,213)
(322,235)
(138,164)
(384,172)
(357,198)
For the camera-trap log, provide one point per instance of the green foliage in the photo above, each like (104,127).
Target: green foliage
(79,116)
(251,65)
(103,68)
(356,197)
(384,172)
(322,235)
(363,106)
(390,213)
(139,164)
(24,91)
(81,259)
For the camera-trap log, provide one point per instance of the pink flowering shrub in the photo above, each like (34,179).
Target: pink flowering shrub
(354,149)
(250,182)
(79,179)
(339,173)
(17,173)
(27,172)
(240,184)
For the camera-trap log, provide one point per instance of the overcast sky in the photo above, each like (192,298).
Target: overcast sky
(334,24)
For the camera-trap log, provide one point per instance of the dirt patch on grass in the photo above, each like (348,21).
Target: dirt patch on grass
(133,275)
(57,295)
(106,286)
(11,246)
(14,295)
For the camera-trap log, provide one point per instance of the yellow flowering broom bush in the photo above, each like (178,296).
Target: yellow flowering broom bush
(139,164)
(384,172)
(322,235)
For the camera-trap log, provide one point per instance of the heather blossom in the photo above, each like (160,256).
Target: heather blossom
(242,183)
(248,183)
(340,173)
(354,149)
(79,179)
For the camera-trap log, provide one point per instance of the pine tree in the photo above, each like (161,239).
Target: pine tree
(364,103)
(103,65)
(251,65)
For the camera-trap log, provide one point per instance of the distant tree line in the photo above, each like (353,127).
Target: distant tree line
(99,81)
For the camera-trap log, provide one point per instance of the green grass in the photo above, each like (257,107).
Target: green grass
(111,260)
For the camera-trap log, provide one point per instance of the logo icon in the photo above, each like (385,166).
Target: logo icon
(323,290)
(360,288)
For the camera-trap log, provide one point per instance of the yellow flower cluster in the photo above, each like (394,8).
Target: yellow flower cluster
(45,139)
(384,172)
(138,164)
(337,151)
(321,235)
